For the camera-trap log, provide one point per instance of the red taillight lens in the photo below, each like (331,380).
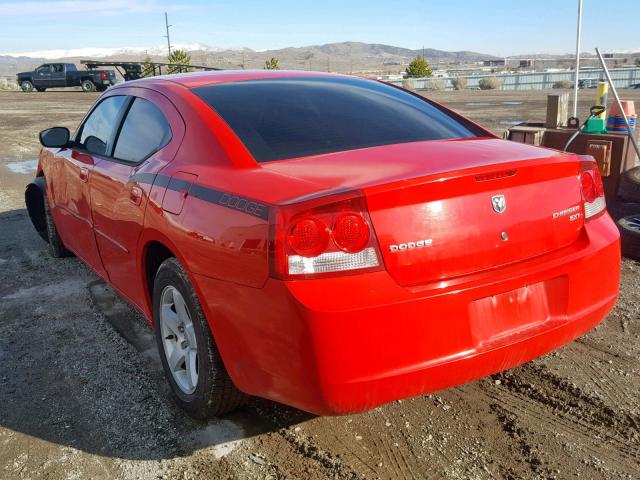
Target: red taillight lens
(588,185)
(103,76)
(592,189)
(308,237)
(324,236)
(350,232)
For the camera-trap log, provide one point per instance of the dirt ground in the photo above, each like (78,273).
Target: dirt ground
(82,393)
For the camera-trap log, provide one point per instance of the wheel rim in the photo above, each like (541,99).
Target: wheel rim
(179,339)
(27,86)
(633,223)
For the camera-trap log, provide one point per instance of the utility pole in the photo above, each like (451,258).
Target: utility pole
(166,23)
(350,61)
(577,73)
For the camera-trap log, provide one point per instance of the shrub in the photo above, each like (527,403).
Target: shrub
(490,83)
(563,84)
(8,84)
(459,83)
(408,83)
(437,84)
(272,64)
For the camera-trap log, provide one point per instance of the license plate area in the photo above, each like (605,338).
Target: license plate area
(520,312)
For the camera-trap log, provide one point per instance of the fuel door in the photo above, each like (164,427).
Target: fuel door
(177,192)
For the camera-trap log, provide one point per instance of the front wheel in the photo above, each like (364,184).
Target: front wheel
(88,86)
(191,360)
(56,245)
(26,86)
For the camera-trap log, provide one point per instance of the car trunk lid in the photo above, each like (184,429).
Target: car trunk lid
(477,220)
(443,209)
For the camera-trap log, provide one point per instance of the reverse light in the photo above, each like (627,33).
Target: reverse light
(592,189)
(324,236)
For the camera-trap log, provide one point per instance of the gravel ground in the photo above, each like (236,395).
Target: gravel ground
(83,396)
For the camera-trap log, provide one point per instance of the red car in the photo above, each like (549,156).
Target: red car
(328,242)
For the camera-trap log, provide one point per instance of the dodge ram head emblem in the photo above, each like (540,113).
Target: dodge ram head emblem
(499,203)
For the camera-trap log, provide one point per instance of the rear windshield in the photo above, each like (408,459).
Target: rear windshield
(285,118)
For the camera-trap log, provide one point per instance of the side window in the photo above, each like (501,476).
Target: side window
(43,69)
(57,68)
(144,131)
(97,131)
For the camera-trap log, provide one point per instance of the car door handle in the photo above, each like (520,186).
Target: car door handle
(84,174)
(135,195)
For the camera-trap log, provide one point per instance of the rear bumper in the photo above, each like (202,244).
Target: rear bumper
(350,343)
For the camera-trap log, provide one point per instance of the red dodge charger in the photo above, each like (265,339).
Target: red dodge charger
(324,241)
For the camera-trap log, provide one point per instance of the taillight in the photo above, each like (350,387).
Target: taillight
(103,76)
(321,237)
(592,189)
(308,236)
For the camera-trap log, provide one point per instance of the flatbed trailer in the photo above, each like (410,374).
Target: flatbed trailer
(135,70)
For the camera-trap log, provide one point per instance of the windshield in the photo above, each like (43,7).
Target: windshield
(285,118)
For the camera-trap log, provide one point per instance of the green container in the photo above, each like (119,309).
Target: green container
(595,125)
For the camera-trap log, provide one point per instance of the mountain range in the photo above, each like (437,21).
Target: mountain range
(342,57)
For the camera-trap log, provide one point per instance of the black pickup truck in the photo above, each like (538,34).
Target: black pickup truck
(55,75)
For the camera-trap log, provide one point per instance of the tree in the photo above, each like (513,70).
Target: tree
(419,68)
(180,57)
(147,68)
(272,64)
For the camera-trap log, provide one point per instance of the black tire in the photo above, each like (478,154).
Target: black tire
(40,89)
(215,394)
(26,86)
(629,188)
(56,245)
(88,86)
(619,208)
(630,236)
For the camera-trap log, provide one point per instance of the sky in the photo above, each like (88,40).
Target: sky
(497,27)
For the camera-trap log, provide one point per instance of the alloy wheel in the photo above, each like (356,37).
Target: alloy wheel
(179,339)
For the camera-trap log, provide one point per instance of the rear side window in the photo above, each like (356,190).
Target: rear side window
(293,117)
(145,130)
(98,129)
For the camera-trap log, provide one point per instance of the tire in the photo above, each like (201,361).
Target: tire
(26,86)
(619,208)
(101,88)
(56,245)
(212,393)
(629,188)
(40,89)
(88,86)
(630,236)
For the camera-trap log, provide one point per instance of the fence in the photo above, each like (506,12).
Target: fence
(622,78)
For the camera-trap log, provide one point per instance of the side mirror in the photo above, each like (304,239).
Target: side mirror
(56,137)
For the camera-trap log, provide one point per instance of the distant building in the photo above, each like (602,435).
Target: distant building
(494,63)
(525,63)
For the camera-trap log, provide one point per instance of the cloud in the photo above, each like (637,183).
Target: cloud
(68,7)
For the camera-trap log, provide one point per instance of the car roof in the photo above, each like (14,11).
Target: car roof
(201,79)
